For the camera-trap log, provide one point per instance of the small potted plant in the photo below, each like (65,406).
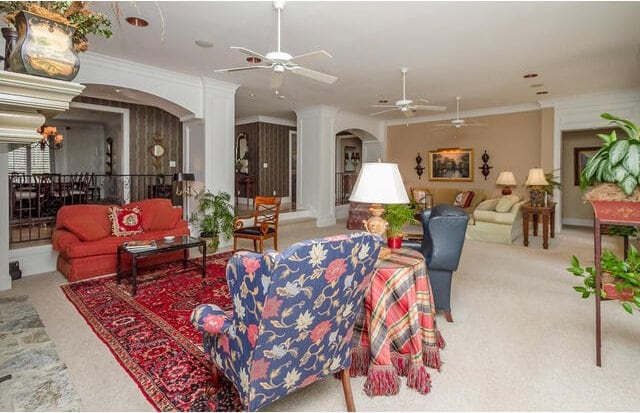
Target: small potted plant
(397,215)
(214,217)
(620,278)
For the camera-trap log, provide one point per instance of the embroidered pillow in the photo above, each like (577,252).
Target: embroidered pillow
(125,222)
(463,199)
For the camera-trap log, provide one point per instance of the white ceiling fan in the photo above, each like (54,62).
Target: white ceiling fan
(457,122)
(279,61)
(405,105)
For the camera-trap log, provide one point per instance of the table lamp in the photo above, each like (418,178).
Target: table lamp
(506,179)
(535,180)
(379,183)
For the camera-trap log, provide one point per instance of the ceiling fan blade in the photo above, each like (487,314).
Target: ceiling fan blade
(409,113)
(384,106)
(309,57)
(321,77)
(235,69)
(250,52)
(424,100)
(429,107)
(276,80)
(382,111)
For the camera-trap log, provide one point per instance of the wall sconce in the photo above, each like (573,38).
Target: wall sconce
(485,168)
(419,168)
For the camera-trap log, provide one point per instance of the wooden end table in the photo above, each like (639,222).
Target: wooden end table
(179,243)
(548,214)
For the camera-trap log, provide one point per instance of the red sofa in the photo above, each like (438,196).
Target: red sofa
(87,248)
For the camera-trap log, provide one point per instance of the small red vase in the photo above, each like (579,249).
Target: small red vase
(394,242)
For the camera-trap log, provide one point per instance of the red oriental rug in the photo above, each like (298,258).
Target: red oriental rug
(150,334)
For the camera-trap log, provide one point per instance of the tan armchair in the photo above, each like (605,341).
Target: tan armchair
(265,223)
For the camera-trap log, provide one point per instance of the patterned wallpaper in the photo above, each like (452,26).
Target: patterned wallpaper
(268,143)
(145,123)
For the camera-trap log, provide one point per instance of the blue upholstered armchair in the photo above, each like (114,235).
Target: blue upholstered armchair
(444,229)
(293,316)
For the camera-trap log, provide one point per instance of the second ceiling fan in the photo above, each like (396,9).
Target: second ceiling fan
(279,61)
(405,105)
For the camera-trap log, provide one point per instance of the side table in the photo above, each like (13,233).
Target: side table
(395,333)
(548,214)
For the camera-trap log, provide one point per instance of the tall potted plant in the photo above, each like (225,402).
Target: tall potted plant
(397,215)
(214,217)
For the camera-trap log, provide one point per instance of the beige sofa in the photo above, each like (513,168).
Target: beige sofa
(445,195)
(497,220)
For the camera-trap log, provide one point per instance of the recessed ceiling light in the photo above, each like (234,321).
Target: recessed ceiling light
(117,90)
(530,75)
(537,85)
(204,43)
(137,21)
(542,92)
(253,95)
(383,101)
(253,59)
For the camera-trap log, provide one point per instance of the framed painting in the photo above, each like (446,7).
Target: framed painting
(580,158)
(451,164)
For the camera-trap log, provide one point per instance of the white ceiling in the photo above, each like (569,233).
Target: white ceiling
(476,50)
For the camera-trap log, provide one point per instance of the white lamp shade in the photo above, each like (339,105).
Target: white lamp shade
(379,183)
(536,177)
(506,178)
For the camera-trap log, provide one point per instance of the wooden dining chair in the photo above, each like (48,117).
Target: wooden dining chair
(265,223)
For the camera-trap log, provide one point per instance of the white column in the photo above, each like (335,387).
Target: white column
(316,169)
(219,129)
(5,278)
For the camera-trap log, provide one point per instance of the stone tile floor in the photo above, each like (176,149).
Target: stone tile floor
(39,380)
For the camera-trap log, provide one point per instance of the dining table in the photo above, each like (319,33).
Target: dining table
(395,334)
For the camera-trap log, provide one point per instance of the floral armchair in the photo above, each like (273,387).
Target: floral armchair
(293,316)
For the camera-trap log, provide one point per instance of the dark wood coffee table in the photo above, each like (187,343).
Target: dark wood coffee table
(179,243)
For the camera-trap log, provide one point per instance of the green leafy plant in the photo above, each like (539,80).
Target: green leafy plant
(215,215)
(553,181)
(625,273)
(397,215)
(72,13)
(622,230)
(618,160)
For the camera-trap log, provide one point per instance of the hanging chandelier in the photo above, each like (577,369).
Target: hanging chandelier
(50,137)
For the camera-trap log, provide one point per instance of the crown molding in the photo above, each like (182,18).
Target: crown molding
(118,64)
(266,119)
(500,110)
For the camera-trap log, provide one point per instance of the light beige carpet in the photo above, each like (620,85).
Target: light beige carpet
(522,339)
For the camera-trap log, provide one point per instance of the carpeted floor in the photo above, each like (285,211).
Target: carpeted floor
(150,334)
(522,339)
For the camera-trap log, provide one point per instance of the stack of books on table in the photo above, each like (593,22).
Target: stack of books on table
(138,246)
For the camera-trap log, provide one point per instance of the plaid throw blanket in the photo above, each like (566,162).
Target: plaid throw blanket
(396,333)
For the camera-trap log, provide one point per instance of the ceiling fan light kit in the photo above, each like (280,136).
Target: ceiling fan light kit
(279,62)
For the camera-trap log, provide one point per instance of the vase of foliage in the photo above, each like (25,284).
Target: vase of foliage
(397,215)
(214,217)
(50,34)
(614,171)
(620,278)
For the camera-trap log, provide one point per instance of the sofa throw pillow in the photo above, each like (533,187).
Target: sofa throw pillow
(506,203)
(125,222)
(85,227)
(488,205)
(463,199)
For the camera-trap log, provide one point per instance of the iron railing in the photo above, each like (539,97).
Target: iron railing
(34,200)
(345,182)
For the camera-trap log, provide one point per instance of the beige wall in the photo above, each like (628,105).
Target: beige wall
(574,210)
(513,142)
